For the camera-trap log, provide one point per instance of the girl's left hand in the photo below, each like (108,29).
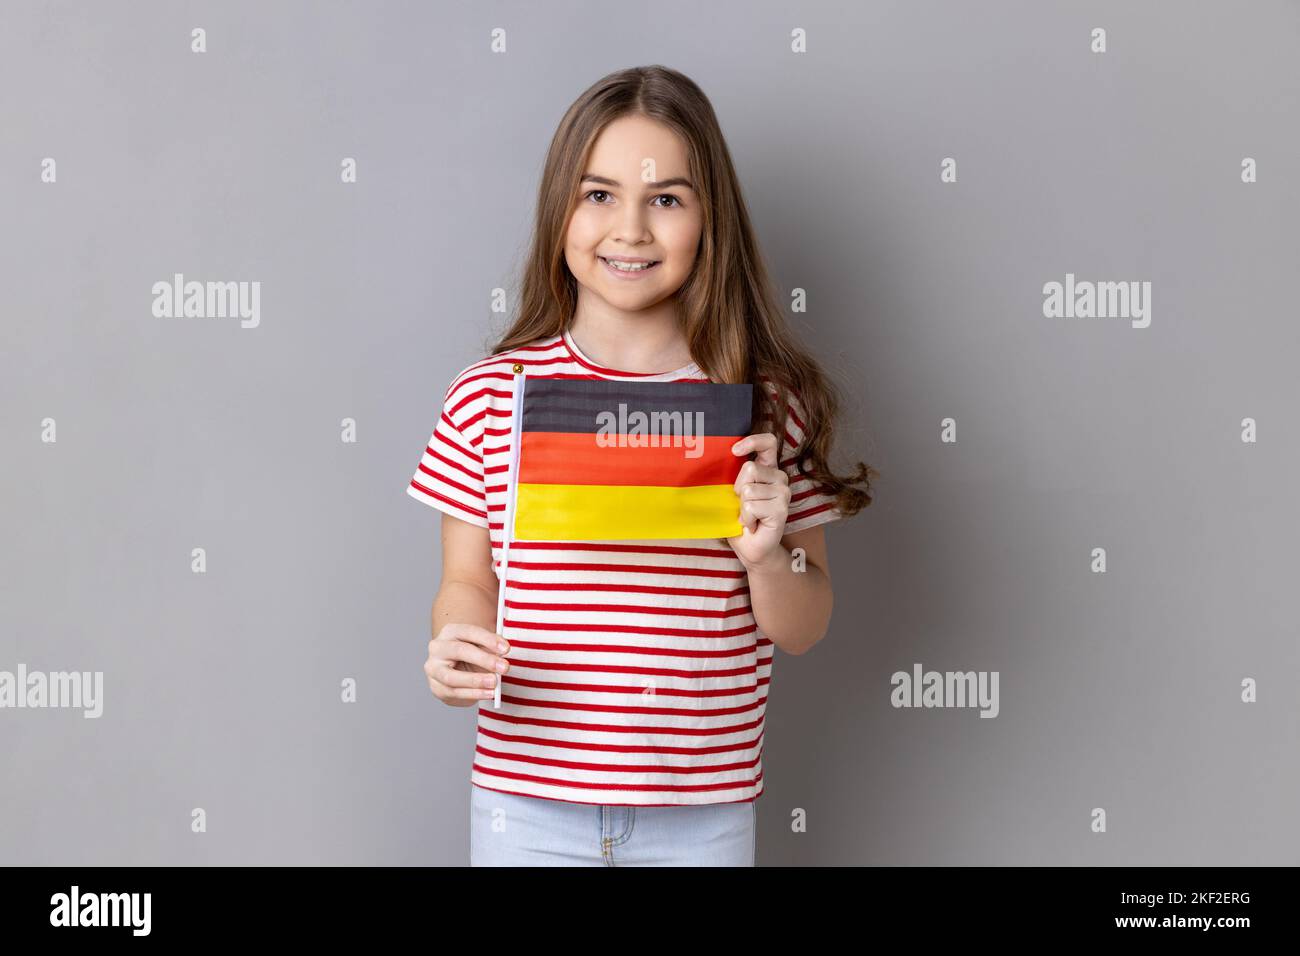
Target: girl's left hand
(764,492)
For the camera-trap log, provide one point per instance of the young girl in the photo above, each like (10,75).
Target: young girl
(634,674)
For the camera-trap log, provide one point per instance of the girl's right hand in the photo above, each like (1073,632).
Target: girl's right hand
(464,663)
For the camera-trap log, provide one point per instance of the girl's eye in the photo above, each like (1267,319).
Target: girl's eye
(602,192)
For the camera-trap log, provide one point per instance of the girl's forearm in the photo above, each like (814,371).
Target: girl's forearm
(791,607)
(463,602)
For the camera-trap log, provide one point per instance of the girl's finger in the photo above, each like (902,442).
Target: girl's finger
(443,692)
(751,472)
(774,508)
(760,491)
(449,676)
(469,653)
(764,443)
(768,474)
(474,634)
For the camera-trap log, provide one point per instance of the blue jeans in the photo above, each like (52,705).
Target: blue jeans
(508,829)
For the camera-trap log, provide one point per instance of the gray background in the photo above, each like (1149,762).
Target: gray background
(1118,690)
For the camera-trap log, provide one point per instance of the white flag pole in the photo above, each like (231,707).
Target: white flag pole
(508,528)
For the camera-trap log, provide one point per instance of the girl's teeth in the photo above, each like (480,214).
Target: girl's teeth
(630,266)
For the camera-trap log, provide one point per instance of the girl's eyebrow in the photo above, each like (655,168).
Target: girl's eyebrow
(675,181)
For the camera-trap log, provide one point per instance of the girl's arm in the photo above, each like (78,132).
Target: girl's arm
(468,590)
(465,649)
(793,607)
(791,599)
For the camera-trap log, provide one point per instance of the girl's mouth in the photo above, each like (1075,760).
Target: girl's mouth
(629,270)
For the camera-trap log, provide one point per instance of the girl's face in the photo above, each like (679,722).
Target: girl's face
(634,204)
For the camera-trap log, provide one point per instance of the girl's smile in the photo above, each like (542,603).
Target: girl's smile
(621,267)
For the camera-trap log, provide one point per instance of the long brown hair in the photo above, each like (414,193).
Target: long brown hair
(733,326)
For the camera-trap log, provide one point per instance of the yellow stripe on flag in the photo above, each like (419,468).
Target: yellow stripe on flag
(613,512)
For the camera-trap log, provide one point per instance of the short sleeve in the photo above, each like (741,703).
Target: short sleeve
(809,504)
(450,474)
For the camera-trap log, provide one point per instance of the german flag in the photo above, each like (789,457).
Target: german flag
(599,459)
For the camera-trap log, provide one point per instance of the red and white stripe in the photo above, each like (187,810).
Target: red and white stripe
(638,674)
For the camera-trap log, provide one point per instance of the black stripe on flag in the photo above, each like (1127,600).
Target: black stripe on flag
(573,405)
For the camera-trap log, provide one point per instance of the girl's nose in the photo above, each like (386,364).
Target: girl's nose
(631,225)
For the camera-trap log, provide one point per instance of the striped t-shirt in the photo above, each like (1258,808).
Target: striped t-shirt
(638,675)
